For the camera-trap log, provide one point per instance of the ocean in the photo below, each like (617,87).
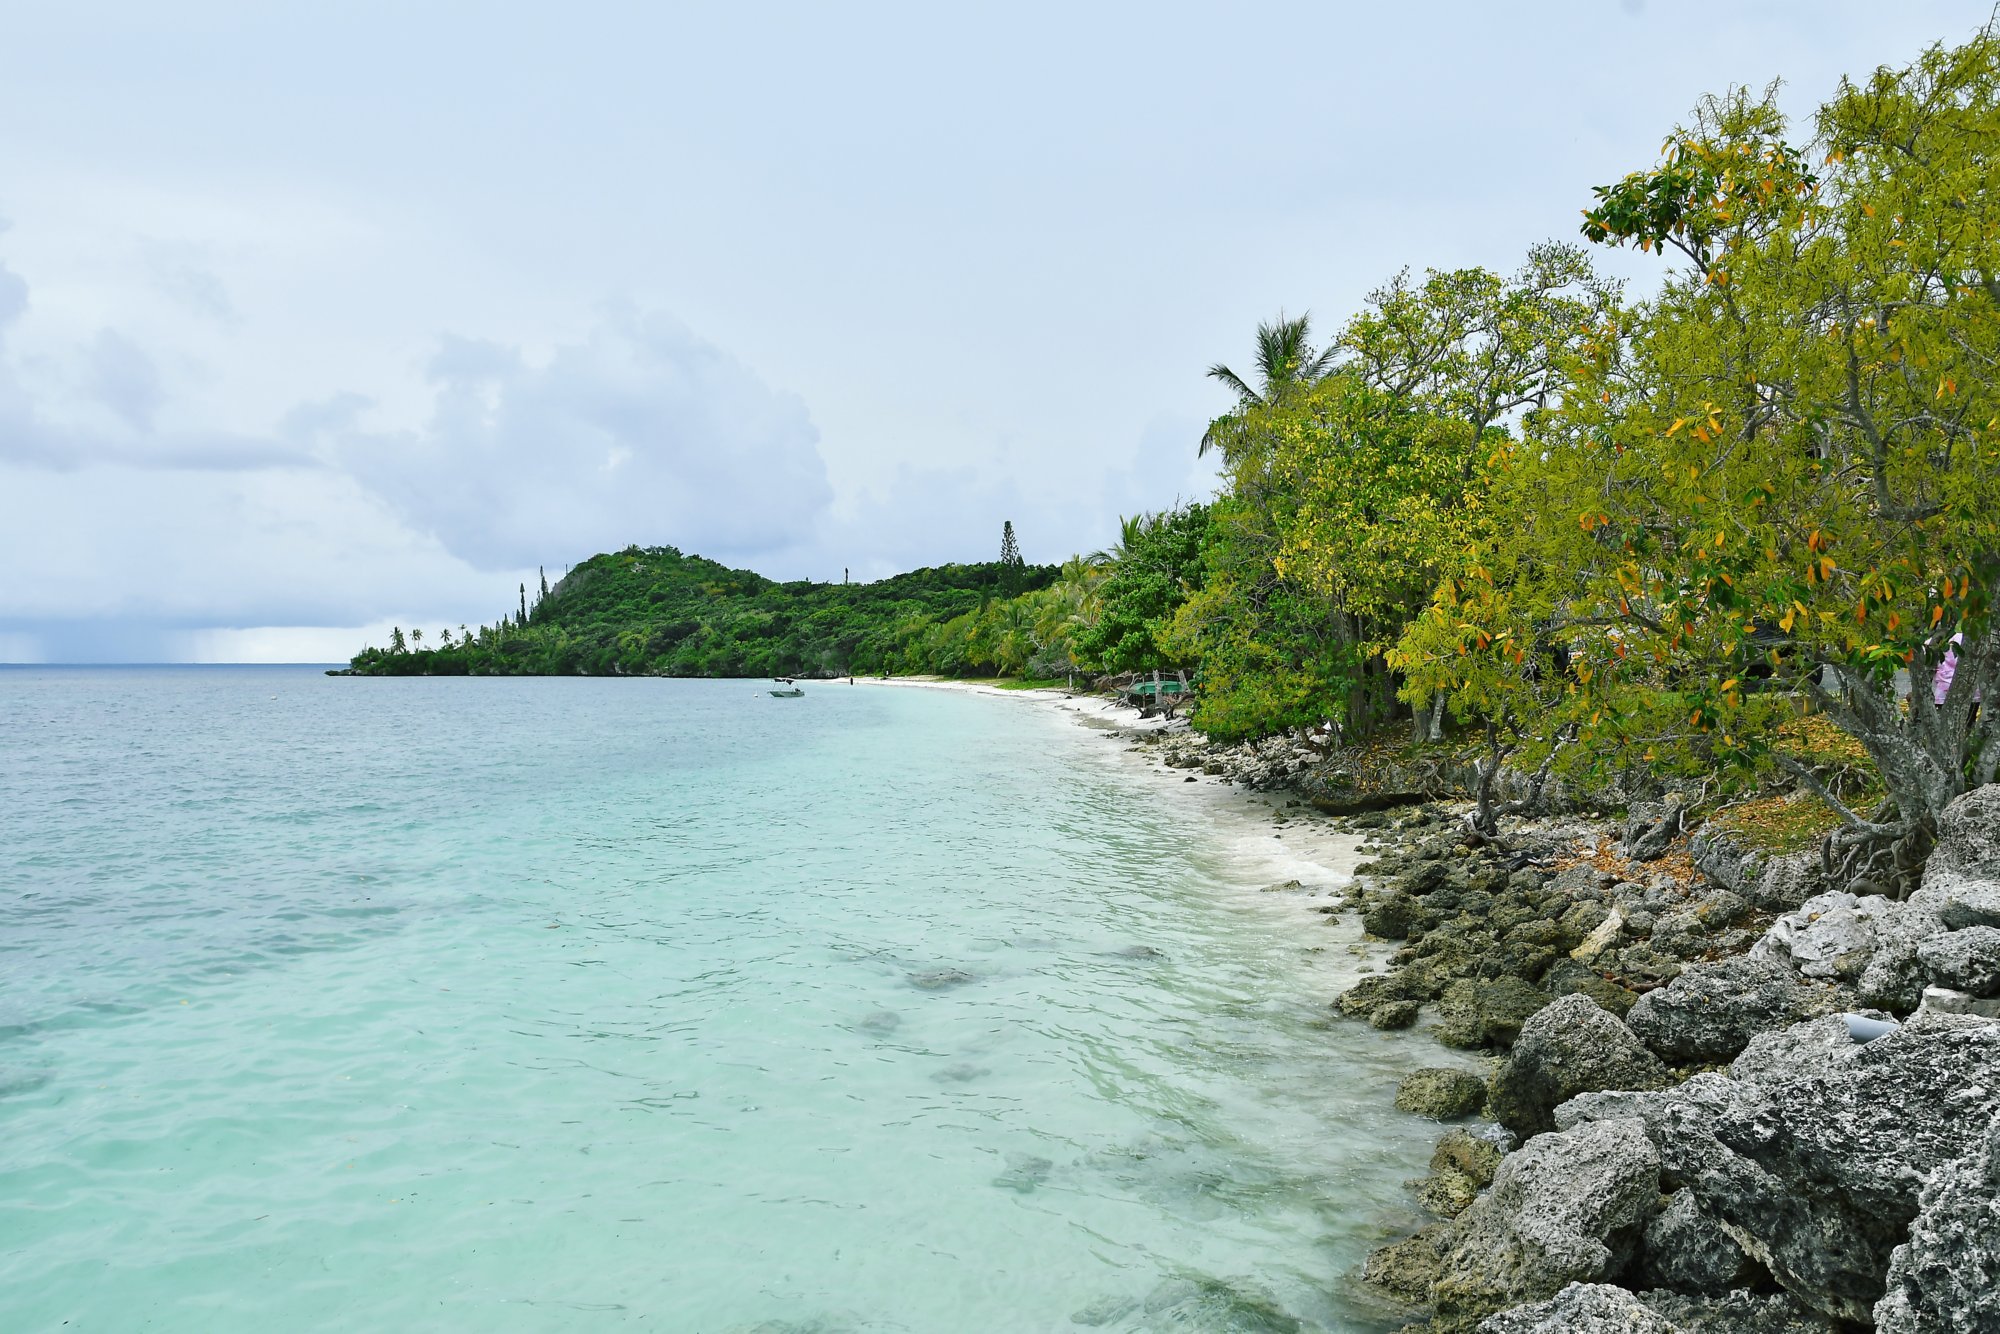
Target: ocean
(550,1004)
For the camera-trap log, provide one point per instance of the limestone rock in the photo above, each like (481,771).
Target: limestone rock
(1967,960)
(1573,1046)
(1361,1000)
(1816,1172)
(1958,901)
(1946,1277)
(1687,1251)
(1601,938)
(1408,1269)
(1738,1313)
(1394,1015)
(1582,1308)
(1711,1011)
(1470,1156)
(1653,826)
(1709,1092)
(1563,1209)
(1475,1012)
(1968,839)
(1830,937)
(1441,1093)
(1817,1044)
(1770,881)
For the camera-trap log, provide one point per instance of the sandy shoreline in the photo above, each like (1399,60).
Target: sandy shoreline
(1287,856)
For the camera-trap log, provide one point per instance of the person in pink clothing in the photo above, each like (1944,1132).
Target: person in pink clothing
(1941,683)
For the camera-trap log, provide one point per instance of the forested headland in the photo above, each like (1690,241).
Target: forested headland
(1525,509)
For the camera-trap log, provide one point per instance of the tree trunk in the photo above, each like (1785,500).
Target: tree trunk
(1928,753)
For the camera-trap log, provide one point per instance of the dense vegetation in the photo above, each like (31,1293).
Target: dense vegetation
(1579,528)
(653,611)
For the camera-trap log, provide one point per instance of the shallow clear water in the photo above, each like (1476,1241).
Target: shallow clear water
(552,1004)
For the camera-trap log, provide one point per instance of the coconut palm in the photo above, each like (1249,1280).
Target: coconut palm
(1286,361)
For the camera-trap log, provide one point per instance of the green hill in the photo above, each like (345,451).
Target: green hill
(656,612)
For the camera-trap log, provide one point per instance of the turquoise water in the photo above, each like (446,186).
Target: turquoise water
(589,1004)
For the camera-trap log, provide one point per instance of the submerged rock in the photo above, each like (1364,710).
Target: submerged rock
(1024,1172)
(1582,1308)
(1211,1305)
(1441,1093)
(1946,1277)
(1573,1046)
(1564,1208)
(937,979)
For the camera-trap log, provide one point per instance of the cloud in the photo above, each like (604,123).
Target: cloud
(641,432)
(99,402)
(119,376)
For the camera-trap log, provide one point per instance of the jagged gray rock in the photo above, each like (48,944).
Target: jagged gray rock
(1582,1308)
(1687,1251)
(1564,1208)
(1817,1044)
(1652,826)
(1709,1091)
(1816,1174)
(1968,839)
(1958,901)
(1711,1011)
(1738,1313)
(1773,882)
(1946,1278)
(1966,960)
(1867,942)
(1573,1046)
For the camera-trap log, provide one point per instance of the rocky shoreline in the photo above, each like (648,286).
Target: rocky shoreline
(1722,1095)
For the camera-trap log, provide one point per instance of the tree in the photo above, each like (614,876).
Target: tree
(1010,550)
(396,642)
(416,637)
(1377,471)
(1780,478)
(1159,567)
(1286,362)
(524,604)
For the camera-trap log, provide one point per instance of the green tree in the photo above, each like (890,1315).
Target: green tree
(1160,565)
(1286,363)
(1780,477)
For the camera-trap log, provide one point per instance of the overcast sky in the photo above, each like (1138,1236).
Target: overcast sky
(315,319)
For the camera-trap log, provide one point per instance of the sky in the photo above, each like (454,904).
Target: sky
(319,319)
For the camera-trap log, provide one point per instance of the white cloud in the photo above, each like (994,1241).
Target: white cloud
(641,432)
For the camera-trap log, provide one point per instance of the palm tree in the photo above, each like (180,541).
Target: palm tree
(1285,361)
(1129,532)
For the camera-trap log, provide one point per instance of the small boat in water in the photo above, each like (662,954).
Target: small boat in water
(793,693)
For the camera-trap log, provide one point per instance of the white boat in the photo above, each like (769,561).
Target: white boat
(793,693)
